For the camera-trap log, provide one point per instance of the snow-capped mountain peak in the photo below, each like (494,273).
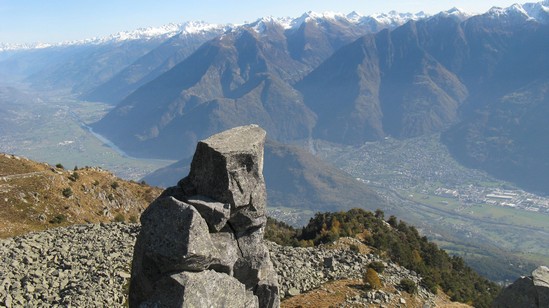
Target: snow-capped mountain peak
(354,16)
(538,11)
(456,13)
(314,16)
(261,25)
(394,17)
(164,31)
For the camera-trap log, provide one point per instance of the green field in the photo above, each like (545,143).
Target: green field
(53,132)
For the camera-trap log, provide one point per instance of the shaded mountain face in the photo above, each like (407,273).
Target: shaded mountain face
(485,78)
(81,68)
(241,77)
(504,128)
(383,84)
(295,179)
(227,82)
(379,85)
(508,137)
(126,57)
(151,65)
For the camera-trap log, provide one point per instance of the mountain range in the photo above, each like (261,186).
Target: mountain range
(246,75)
(330,77)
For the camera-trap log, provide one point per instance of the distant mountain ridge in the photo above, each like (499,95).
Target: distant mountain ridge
(167,30)
(324,77)
(109,68)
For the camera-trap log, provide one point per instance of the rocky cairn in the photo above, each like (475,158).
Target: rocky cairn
(201,242)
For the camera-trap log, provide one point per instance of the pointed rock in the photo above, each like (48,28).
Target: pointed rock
(228,167)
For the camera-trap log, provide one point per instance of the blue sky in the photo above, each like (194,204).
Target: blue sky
(25,21)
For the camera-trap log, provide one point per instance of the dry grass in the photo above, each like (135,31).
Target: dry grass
(32,198)
(336,293)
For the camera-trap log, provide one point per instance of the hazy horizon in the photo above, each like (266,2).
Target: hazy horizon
(31,21)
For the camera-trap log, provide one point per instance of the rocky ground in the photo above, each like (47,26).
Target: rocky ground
(88,265)
(304,269)
(79,266)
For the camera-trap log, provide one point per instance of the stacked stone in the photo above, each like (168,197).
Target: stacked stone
(201,242)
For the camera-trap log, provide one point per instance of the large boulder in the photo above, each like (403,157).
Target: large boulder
(201,243)
(532,291)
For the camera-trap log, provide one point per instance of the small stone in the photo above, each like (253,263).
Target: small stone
(123,275)
(293,292)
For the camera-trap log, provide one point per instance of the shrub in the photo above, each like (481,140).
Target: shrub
(119,218)
(58,219)
(115,185)
(371,279)
(377,266)
(133,219)
(59,166)
(67,192)
(74,176)
(95,183)
(408,285)
(110,197)
(354,248)
(429,284)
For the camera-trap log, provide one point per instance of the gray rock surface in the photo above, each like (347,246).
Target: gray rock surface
(213,220)
(78,266)
(210,289)
(216,214)
(532,291)
(175,237)
(89,266)
(540,276)
(303,269)
(228,168)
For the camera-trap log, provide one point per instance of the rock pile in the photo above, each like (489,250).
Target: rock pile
(303,269)
(78,266)
(201,242)
(532,291)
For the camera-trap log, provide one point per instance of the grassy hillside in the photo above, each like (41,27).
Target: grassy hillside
(36,196)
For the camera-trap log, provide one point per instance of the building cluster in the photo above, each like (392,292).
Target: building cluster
(497,197)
